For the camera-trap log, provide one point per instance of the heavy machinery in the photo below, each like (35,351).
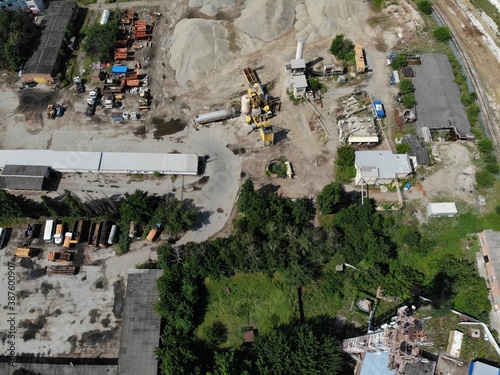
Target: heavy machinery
(259,111)
(144,99)
(51,111)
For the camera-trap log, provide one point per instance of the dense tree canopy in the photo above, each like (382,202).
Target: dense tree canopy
(329,197)
(442,34)
(342,48)
(18,34)
(425,6)
(297,349)
(100,40)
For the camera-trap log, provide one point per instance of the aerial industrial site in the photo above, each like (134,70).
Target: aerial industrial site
(147,144)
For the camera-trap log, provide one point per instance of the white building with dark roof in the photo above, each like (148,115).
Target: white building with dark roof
(381,167)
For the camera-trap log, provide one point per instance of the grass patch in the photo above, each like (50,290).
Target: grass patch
(439,327)
(248,300)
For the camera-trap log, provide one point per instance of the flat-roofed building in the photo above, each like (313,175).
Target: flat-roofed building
(381,167)
(24,177)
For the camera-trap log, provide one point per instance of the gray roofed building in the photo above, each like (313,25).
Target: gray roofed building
(417,150)
(104,162)
(44,64)
(380,167)
(141,325)
(438,98)
(24,177)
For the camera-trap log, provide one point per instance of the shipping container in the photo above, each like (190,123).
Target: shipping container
(49,228)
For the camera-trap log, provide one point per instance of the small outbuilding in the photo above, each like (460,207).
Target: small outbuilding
(448,209)
(24,177)
(299,85)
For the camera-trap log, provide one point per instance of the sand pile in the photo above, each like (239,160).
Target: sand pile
(216,3)
(198,47)
(318,19)
(209,10)
(266,19)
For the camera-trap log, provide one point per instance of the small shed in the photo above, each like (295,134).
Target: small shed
(455,344)
(249,334)
(442,209)
(299,86)
(24,177)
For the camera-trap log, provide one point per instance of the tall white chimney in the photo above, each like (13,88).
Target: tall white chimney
(300,49)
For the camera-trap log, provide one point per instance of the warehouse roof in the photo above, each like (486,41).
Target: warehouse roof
(382,164)
(25,170)
(141,325)
(104,162)
(186,164)
(44,59)
(63,161)
(299,81)
(438,96)
(23,177)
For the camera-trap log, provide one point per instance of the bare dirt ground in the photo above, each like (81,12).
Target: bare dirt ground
(235,152)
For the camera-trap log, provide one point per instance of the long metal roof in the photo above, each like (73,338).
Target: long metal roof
(382,164)
(103,162)
(183,164)
(438,96)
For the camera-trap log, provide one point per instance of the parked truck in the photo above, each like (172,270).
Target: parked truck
(68,237)
(109,102)
(60,256)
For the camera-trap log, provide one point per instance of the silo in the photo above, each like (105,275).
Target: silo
(300,49)
(245,104)
(104,17)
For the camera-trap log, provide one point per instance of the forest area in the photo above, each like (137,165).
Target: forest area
(212,292)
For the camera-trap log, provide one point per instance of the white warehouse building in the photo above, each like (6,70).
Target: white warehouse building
(103,162)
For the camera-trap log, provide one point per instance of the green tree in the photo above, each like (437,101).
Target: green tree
(296,349)
(135,207)
(174,216)
(329,197)
(399,61)
(342,48)
(19,33)
(100,40)
(409,100)
(425,6)
(314,84)
(344,164)
(402,148)
(406,86)
(442,34)
(216,334)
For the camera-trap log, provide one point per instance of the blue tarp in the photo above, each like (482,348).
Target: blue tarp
(119,69)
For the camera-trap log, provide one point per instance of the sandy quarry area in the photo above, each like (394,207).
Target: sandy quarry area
(199,50)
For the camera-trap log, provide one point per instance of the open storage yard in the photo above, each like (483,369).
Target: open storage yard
(177,62)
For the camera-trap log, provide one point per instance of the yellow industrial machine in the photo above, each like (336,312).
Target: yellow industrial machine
(259,111)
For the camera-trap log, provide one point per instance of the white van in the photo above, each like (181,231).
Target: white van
(49,229)
(3,232)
